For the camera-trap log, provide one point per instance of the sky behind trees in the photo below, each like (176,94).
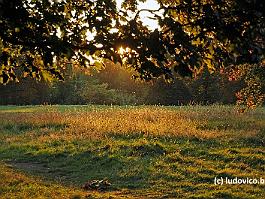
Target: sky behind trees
(149,4)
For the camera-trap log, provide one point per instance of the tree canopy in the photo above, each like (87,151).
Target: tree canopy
(39,38)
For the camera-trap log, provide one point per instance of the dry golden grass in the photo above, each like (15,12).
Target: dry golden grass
(96,124)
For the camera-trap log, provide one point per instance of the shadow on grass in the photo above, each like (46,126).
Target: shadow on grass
(138,162)
(19,128)
(76,169)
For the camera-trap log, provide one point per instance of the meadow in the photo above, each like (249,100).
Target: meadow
(142,151)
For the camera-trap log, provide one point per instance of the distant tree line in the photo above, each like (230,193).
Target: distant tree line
(114,85)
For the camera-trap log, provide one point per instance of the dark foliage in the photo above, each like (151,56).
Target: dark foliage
(40,36)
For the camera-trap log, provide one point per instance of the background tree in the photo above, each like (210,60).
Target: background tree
(213,88)
(28,91)
(253,93)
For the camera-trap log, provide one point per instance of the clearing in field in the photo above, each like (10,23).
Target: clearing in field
(140,152)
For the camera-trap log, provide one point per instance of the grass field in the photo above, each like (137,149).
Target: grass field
(144,152)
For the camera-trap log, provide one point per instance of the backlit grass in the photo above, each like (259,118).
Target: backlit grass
(145,151)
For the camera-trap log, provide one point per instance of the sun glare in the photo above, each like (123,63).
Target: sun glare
(123,51)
